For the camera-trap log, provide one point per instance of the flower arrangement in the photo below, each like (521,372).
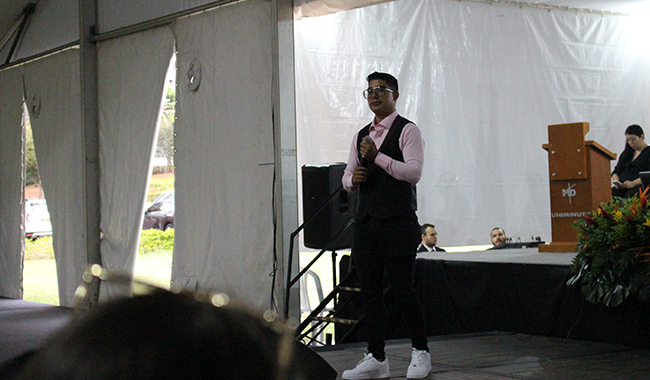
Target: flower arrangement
(613,260)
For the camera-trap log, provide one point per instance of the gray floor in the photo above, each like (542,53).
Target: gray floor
(496,356)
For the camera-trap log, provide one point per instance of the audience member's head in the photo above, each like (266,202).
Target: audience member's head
(634,130)
(429,235)
(166,336)
(498,237)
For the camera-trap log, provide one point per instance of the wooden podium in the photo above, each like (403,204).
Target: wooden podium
(579,175)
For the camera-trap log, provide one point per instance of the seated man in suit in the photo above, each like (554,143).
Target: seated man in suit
(429,239)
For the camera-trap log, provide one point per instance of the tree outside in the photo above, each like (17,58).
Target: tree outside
(31,166)
(165,146)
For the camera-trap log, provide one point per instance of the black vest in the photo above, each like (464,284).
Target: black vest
(383,196)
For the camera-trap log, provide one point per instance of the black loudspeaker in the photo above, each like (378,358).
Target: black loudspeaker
(319,182)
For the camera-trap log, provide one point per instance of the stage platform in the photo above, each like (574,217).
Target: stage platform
(506,356)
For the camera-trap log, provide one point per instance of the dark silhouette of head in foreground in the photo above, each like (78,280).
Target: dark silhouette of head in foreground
(166,336)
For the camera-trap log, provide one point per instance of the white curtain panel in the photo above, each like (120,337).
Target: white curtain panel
(53,99)
(132,73)
(12,236)
(224,153)
(483,82)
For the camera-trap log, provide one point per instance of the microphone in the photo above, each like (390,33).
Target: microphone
(364,161)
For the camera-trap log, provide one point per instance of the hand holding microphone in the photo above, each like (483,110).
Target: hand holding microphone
(368,152)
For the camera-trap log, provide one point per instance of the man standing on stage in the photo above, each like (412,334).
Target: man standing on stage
(385,163)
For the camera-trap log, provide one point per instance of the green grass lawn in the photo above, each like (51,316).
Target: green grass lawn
(154,268)
(39,281)
(39,275)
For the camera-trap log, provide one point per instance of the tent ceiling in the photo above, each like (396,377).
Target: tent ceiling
(11,10)
(639,7)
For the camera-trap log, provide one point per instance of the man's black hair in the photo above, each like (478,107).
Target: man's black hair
(425,226)
(390,80)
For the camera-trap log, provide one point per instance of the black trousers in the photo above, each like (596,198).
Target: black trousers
(385,249)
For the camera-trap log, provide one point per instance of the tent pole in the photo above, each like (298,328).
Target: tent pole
(27,15)
(284,126)
(89,115)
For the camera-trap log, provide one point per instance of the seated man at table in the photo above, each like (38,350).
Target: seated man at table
(499,239)
(429,239)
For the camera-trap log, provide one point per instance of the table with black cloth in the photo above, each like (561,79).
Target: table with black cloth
(515,290)
(521,291)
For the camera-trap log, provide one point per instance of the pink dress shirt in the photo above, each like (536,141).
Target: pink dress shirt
(410,142)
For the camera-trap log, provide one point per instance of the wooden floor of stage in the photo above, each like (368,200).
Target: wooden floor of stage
(506,356)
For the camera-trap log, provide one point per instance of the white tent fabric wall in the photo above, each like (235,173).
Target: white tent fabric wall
(482,81)
(11,184)
(131,81)
(53,104)
(224,156)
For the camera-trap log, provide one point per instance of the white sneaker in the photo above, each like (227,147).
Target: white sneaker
(420,365)
(368,368)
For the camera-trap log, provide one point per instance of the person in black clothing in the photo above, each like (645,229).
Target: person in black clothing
(634,159)
(429,239)
(385,162)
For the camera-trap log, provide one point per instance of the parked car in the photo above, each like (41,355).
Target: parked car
(37,219)
(160,215)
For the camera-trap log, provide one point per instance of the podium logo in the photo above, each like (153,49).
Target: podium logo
(569,192)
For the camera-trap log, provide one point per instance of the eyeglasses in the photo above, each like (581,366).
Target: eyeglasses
(377,90)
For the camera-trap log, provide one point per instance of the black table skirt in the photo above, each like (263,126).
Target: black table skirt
(461,297)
